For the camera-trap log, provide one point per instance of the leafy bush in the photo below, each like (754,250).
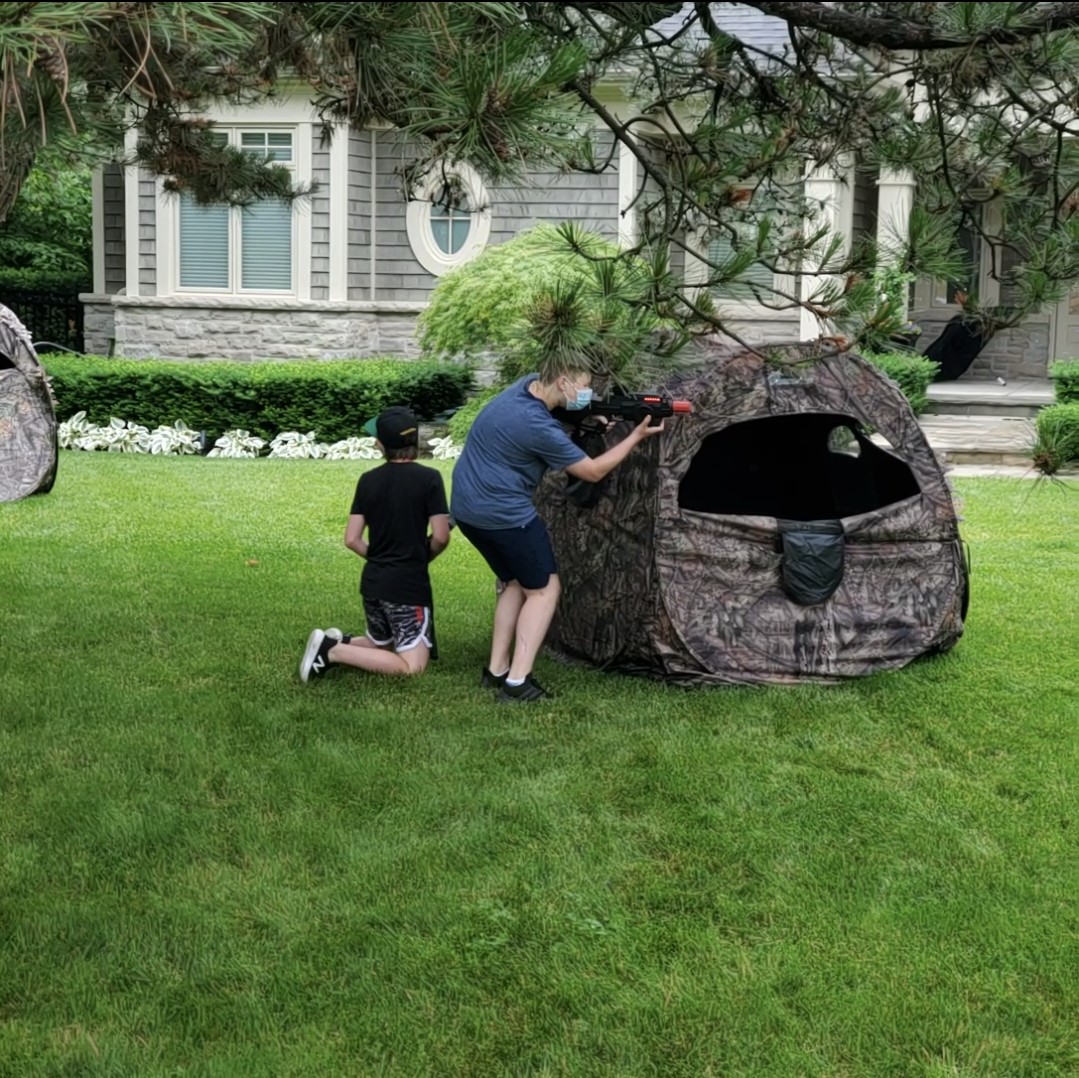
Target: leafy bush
(1057,437)
(479,308)
(461,421)
(27,280)
(48,235)
(551,295)
(911,373)
(333,399)
(1065,375)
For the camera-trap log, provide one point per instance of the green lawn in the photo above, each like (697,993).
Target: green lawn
(208,868)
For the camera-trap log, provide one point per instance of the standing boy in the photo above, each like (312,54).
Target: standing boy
(395,503)
(513,442)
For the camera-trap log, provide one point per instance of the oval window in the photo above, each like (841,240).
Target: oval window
(448,218)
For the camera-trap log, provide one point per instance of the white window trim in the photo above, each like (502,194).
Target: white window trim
(418,221)
(168,222)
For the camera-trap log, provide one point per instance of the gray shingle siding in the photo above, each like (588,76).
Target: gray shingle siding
(359,215)
(546,196)
(115,252)
(550,196)
(398,276)
(763,32)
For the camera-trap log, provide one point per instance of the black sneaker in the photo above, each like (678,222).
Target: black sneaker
(492,681)
(529,689)
(315,661)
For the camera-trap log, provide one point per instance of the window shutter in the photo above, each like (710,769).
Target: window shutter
(204,245)
(266,262)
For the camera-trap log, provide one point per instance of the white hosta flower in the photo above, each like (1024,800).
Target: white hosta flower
(123,437)
(294,446)
(177,440)
(77,428)
(237,443)
(90,441)
(353,449)
(444,448)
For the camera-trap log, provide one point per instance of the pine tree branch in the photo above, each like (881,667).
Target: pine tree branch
(888,32)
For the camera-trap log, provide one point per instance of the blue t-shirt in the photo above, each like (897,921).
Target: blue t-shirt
(513,441)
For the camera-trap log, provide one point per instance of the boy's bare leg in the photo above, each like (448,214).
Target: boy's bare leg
(533,621)
(378,660)
(507,609)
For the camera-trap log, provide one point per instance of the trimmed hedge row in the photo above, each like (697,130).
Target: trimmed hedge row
(1065,375)
(912,373)
(332,398)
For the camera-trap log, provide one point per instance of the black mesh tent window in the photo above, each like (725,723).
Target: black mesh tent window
(804,466)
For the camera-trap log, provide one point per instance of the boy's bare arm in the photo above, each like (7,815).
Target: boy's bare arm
(354,539)
(439,538)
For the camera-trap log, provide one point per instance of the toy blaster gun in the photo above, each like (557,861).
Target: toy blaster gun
(591,436)
(635,406)
(631,406)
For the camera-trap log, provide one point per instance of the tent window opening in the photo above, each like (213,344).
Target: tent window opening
(809,466)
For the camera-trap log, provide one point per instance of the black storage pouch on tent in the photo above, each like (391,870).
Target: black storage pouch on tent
(812,552)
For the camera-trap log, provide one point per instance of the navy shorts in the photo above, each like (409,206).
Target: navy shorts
(522,554)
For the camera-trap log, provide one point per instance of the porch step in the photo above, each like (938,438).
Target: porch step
(977,439)
(977,397)
(984,445)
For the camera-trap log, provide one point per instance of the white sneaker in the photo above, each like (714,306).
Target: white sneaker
(314,662)
(334,634)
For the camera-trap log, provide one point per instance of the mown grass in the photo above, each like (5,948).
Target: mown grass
(208,868)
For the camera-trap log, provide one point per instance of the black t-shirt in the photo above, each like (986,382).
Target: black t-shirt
(396,501)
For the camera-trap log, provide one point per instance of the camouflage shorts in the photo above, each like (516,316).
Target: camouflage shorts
(401,624)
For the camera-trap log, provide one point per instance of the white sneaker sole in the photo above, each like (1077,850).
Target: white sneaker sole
(314,642)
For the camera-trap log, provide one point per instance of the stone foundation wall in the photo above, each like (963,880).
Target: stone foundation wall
(150,329)
(1012,354)
(147,328)
(98,325)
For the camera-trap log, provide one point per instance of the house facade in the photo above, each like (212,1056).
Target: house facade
(346,271)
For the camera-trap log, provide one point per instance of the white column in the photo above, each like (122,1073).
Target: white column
(97,203)
(373,225)
(829,191)
(339,212)
(895,200)
(131,215)
(628,174)
(305,133)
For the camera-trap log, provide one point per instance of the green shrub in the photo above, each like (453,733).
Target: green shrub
(461,421)
(548,295)
(479,309)
(29,280)
(1058,437)
(1065,375)
(333,399)
(911,373)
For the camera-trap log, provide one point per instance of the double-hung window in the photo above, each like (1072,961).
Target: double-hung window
(757,280)
(241,248)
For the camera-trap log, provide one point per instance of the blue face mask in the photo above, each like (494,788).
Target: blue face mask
(583,400)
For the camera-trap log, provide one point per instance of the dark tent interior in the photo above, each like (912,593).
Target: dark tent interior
(805,466)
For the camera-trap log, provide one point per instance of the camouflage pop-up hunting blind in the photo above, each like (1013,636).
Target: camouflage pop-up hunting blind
(27,417)
(765,537)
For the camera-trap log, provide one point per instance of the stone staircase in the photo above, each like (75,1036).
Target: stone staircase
(981,427)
